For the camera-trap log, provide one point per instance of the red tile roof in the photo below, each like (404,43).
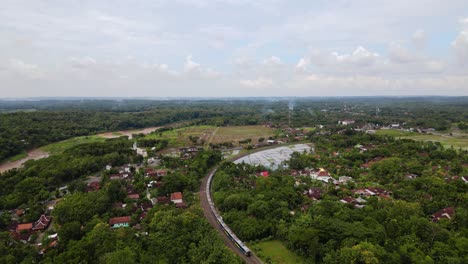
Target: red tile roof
(119,220)
(323,173)
(22,227)
(176,196)
(134,196)
(444,213)
(42,223)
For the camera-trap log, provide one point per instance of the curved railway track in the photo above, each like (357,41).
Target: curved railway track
(210,212)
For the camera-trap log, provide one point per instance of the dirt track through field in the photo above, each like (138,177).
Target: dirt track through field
(34,154)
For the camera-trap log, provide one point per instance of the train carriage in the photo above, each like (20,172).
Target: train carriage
(243,248)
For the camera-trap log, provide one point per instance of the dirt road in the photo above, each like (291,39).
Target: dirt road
(34,154)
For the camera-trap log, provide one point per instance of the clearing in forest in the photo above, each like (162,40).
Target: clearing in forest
(237,133)
(274,251)
(186,136)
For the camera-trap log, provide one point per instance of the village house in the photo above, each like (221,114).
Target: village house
(117,222)
(264,174)
(93,187)
(352,201)
(181,205)
(115,177)
(411,176)
(134,196)
(346,122)
(314,193)
(22,228)
(372,191)
(163,200)
(322,175)
(155,174)
(126,168)
(345,179)
(42,223)
(446,213)
(176,197)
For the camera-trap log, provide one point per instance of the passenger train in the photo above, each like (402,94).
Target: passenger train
(243,248)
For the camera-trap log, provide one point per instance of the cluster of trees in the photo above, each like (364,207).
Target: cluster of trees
(59,120)
(166,234)
(39,179)
(393,230)
(170,236)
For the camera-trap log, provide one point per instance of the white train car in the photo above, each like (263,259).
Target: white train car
(243,248)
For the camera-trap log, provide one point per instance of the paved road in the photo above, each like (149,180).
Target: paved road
(212,220)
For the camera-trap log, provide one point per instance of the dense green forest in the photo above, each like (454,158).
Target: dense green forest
(388,229)
(28,124)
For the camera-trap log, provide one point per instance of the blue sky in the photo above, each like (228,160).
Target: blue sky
(159,48)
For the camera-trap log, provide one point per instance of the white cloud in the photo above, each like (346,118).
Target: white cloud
(399,54)
(82,62)
(302,65)
(195,69)
(419,39)
(25,69)
(272,61)
(257,83)
(102,47)
(460,44)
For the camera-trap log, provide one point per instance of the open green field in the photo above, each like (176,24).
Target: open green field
(276,252)
(394,133)
(180,136)
(460,141)
(236,133)
(448,141)
(212,134)
(309,129)
(59,147)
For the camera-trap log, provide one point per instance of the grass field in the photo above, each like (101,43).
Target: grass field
(394,133)
(60,147)
(276,252)
(212,134)
(448,141)
(237,133)
(177,137)
(180,136)
(309,129)
(460,141)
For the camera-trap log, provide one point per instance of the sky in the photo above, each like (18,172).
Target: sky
(233,48)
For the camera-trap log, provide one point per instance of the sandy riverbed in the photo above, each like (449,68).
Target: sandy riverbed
(128,133)
(34,154)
